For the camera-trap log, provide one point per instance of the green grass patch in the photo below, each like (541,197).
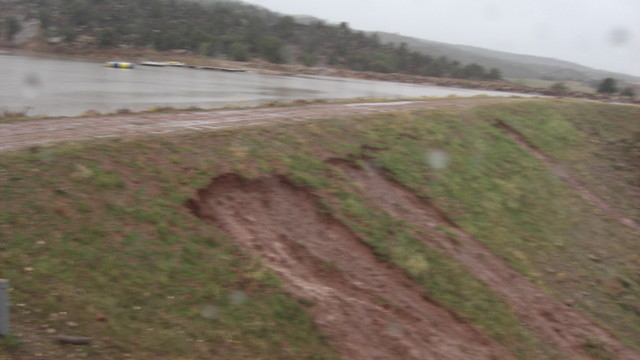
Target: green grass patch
(504,196)
(101,228)
(598,143)
(547,84)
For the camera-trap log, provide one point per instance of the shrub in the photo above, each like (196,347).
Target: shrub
(560,86)
(608,86)
(239,51)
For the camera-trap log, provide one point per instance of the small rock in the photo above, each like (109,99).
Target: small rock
(570,302)
(27,269)
(51,331)
(74,340)
(101,317)
(71,324)
(592,257)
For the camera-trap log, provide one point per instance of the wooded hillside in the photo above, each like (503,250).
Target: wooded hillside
(227,29)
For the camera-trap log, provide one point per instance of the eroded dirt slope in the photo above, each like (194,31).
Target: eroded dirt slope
(553,322)
(369,308)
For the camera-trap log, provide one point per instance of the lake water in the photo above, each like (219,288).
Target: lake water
(67,88)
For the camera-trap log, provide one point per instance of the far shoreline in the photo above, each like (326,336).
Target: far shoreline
(263,67)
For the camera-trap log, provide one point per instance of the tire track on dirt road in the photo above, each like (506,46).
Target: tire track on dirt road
(572,181)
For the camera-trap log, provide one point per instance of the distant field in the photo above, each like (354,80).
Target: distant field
(546,84)
(241,244)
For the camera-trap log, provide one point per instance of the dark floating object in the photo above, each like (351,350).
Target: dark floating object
(73,340)
(215,68)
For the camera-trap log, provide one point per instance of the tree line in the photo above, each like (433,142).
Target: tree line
(239,32)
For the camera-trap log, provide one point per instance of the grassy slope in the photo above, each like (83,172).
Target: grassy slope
(104,229)
(101,228)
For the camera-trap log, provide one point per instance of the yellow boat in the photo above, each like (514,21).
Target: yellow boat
(120,65)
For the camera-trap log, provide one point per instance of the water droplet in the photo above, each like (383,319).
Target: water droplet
(396,329)
(32,86)
(210,312)
(437,159)
(46,156)
(238,298)
(287,53)
(619,36)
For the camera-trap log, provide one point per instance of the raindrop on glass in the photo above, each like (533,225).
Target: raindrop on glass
(210,312)
(619,36)
(395,329)
(437,159)
(238,298)
(31,85)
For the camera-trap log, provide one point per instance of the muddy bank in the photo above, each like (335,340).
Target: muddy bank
(555,323)
(369,308)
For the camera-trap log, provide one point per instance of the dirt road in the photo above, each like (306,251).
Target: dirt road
(18,135)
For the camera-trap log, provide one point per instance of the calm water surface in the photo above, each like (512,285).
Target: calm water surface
(66,88)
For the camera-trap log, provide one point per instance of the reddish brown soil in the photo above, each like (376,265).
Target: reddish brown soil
(368,307)
(24,134)
(557,170)
(554,323)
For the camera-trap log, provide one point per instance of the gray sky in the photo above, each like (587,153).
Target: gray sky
(603,34)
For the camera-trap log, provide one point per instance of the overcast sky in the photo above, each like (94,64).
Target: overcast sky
(603,34)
